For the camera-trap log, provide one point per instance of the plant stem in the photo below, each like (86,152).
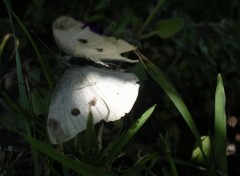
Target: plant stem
(150,17)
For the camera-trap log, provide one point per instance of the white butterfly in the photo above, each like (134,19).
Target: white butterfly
(79,41)
(109,94)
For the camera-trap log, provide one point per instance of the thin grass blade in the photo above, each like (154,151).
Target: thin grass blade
(150,17)
(158,75)
(115,148)
(220,127)
(41,60)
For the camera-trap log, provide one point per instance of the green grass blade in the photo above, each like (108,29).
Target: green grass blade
(207,148)
(36,163)
(150,17)
(2,45)
(167,86)
(90,143)
(168,27)
(115,148)
(172,165)
(165,144)
(91,140)
(41,60)
(21,84)
(165,28)
(158,75)
(220,127)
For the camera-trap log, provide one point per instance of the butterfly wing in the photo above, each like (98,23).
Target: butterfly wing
(117,89)
(79,41)
(70,105)
(109,95)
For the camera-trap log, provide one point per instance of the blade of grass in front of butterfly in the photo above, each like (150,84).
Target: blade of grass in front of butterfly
(90,138)
(158,75)
(220,127)
(115,147)
(41,59)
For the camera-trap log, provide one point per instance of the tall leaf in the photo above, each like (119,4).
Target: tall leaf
(115,147)
(220,127)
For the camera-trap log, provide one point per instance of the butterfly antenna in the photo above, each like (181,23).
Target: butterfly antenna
(62,60)
(43,43)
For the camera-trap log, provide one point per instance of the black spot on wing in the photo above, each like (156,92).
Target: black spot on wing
(55,130)
(75,111)
(53,124)
(83,41)
(99,50)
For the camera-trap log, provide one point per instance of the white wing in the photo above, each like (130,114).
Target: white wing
(109,94)
(77,41)
(117,89)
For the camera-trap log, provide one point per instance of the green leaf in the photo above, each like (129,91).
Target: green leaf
(115,147)
(165,143)
(197,154)
(165,28)
(158,75)
(90,136)
(220,127)
(152,14)
(169,27)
